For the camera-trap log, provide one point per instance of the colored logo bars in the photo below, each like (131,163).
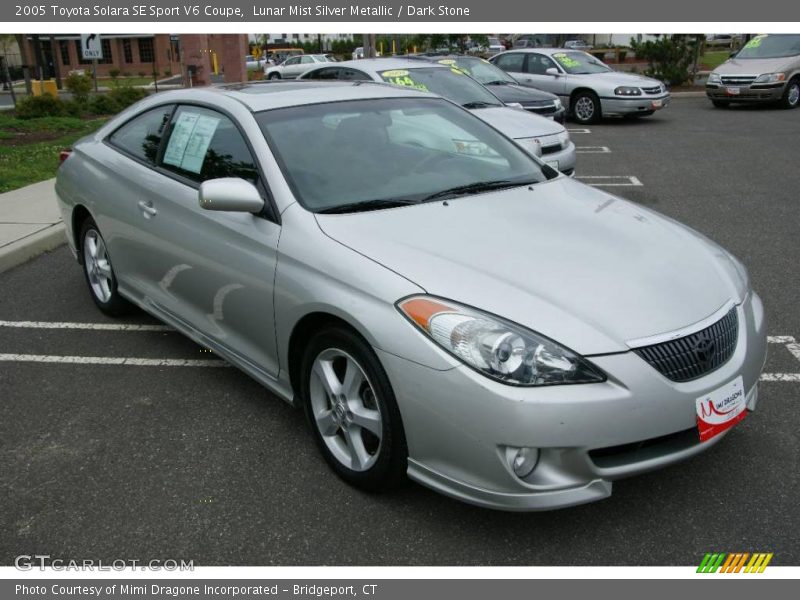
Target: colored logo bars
(734,562)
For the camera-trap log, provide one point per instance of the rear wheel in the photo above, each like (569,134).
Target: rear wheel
(586,107)
(350,406)
(274,75)
(721,103)
(99,273)
(791,95)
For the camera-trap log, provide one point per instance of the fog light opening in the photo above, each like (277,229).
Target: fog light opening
(522,460)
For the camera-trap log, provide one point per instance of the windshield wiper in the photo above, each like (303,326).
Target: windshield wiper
(478,104)
(477,187)
(366,205)
(498,82)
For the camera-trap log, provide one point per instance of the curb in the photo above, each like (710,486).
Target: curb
(23,250)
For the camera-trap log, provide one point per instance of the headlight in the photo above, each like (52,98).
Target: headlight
(563,138)
(627,91)
(497,348)
(557,104)
(714,78)
(770,78)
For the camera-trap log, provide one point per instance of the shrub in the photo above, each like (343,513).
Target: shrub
(125,95)
(103,104)
(114,73)
(73,108)
(80,86)
(168,73)
(670,58)
(142,74)
(34,107)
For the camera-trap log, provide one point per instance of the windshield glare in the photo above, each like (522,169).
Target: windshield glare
(771,46)
(579,63)
(453,84)
(479,69)
(408,149)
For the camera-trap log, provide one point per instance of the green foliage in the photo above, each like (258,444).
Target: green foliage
(103,104)
(79,86)
(124,95)
(114,73)
(670,58)
(34,107)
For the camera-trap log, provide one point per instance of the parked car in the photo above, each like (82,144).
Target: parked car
(504,86)
(495,45)
(294,66)
(577,45)
(721,40)
(441,303)
(538,135)
(254,64)
(588,88)
(766,70)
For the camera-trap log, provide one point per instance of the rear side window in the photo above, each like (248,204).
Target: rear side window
(204,144)
(353,75)
(323,74)
(141,136)
(511,62)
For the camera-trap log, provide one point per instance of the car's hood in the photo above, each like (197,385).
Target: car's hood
(615,78)
(576,264)
(516,123)
(511,92)
(754,66)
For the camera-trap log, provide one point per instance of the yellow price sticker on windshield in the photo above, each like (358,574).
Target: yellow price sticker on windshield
(447,61)
(755,42)
(395,73)
(565,60)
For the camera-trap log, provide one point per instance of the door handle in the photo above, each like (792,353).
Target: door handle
(147,208)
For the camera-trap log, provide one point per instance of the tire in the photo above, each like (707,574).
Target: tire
(586,108)
(721,103)
(274,75)
(333,356)
(791,95)
(99,273)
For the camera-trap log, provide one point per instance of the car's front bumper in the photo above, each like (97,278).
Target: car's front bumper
(563,160)
(646,104)
(459,423)
(765,92)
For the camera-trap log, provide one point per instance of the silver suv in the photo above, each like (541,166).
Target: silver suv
(767,69)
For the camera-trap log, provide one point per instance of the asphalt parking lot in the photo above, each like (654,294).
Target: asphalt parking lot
(136,461)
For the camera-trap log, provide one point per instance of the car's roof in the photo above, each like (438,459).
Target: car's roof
(377,65)
(543,50)
(258,96)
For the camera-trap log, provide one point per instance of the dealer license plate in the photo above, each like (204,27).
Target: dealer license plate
(721,409)
(733,91)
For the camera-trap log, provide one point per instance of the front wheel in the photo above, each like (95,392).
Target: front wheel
(351,408)
(274,75)
(791,95)
(99,272)
(586,108)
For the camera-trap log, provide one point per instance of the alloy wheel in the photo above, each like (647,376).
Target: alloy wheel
(345,409)
(97,265)
(584,108)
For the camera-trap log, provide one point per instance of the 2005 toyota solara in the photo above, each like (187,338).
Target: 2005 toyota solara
(443,305)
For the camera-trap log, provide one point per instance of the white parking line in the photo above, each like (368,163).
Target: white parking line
(107,360)
(793,377)
(794,348)
(592,150)
(579,130)
(91,326)
(611,180)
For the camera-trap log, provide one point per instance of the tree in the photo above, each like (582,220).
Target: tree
(670,58)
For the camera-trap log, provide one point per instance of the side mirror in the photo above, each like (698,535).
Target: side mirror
(230,194)
(553,71)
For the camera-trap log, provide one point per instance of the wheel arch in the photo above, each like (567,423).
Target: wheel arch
(79,216)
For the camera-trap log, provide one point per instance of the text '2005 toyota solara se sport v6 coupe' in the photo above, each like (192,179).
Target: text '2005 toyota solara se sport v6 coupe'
(440,302)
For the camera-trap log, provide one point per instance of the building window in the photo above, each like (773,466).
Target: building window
(127,50)
(146,50)
(63,48)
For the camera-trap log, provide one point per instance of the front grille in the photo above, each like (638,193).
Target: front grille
(551,149)
(738,79)
(652,90)
(697,354)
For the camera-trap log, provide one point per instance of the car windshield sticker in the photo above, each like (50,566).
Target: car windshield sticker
(189,141)
(447,61)
(567,61)
(755,42)
(403,77)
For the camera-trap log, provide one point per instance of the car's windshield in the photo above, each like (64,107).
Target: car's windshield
(771,46)
(374,153)
(450,83)
(579,63)
(479,69)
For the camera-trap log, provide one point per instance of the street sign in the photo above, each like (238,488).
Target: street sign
(91,48)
